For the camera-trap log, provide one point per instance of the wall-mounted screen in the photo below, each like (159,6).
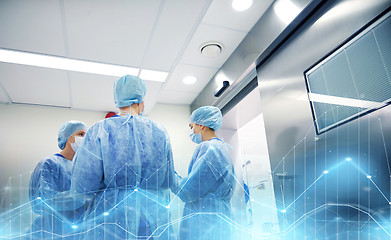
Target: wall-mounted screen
(354,79)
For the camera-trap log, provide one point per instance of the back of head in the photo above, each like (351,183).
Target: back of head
(128,90)
(67,130)
(208,116)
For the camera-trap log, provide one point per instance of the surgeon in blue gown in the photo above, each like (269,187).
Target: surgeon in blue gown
(50,180)
(209,186)
(125,164)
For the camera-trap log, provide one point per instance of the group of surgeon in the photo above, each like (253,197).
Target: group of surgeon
(113,180)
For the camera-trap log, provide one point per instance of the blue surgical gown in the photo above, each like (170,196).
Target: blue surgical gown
(125,163)
(207,193)
(51,177)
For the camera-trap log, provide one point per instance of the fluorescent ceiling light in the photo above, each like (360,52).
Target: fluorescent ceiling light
(241,5)
(286,10)
(153,75)
(189,80)
(61,63)
(351,102)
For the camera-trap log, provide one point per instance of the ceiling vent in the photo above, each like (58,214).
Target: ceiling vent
(211,49)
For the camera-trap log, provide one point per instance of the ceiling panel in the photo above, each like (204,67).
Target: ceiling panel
(221,13)
(176,97)
(203,74)
(172,32)
(92,92)
(26,84)
(152,34)
(95,92)
(31,26)
(151,98)
(228,38)
(110,31)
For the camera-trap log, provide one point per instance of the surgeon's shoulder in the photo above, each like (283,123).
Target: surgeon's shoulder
(96,128)
(49,162)
(155,125)
(99,124)
(203,146)
(206,144)
(212,144)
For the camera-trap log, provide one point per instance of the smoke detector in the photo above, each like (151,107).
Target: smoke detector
(211,49)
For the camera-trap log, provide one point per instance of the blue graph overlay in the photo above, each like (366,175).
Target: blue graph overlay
(323,190)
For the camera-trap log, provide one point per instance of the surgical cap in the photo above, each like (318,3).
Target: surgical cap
(128,90)
(208,116)
(67,130)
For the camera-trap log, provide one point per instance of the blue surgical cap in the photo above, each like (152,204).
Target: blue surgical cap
(208,116)
(67,130)
(128,90)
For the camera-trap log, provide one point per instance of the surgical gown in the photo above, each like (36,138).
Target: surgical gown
(51,177)
(207,193)
(125,163)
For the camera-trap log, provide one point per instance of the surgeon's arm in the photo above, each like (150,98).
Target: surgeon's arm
(43,186)
(66,201)
(87,175)
(45,190)
(200,181)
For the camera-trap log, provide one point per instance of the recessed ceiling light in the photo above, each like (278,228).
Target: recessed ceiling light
(61,63)
(189,80)
(211,49)
(241,5)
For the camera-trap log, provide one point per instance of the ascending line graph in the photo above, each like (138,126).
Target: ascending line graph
(325,172)
(348,162)
(288,208)
(322,174)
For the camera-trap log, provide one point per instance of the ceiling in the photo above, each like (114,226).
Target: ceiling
(161,35)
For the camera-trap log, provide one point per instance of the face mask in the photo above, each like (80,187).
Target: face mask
(76,144)
(197,138)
